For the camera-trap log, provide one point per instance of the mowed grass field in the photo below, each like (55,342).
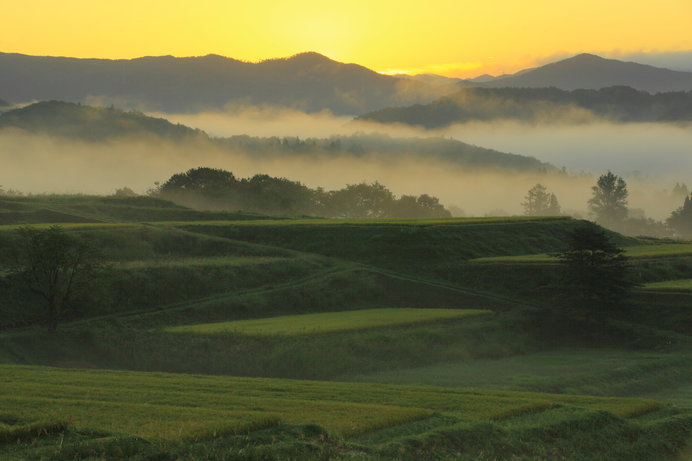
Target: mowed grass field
(634,252)
(328,321)
(670,285)
(172,407)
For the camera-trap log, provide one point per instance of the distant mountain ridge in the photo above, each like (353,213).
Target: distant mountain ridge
(100,124)
(617,104)
(589,71)
(57,118)
(307,81)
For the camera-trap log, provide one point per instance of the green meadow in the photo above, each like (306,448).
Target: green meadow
(672,285)
(175,413)
(573,371)
(328,322)
(235,336)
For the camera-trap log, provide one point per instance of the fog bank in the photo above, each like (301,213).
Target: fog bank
(40,164)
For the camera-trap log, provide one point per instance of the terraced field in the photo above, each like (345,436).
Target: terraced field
(376,221)
(670,285)
(634,252)
(168,407)
(284,286)
(573,371)
(329,321)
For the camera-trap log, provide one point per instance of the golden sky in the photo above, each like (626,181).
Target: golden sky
(449,37)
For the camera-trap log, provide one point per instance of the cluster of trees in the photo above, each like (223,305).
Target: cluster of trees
(540,202)
(9,192)
(608,206)
(212,188)
(681,219)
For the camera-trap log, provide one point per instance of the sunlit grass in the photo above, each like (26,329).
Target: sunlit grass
(671,285)
(395,221)
(162,406)
(329,321)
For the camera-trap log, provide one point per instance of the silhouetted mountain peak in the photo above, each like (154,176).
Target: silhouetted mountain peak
(306,59)
(585,57)
(590,71)
(310,56)
(306,81)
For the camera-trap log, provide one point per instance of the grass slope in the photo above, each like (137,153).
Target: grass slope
(87,208)
(634,252)
(671,285)
(328,322)
(406,245)
(175,411)
(572,371)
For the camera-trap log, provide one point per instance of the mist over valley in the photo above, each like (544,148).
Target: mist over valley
(454,231)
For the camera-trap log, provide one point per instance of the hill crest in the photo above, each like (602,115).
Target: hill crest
(590,71)
(102,124)
(308,82)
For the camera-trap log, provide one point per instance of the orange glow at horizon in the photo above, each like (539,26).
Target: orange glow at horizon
(459,38)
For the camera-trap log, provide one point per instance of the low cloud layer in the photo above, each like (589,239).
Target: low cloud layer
(38,164)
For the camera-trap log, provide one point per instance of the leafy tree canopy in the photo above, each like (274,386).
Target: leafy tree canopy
(56,266)
(609,200)
(596,275)
(681,219)
(540,202)
(219,189)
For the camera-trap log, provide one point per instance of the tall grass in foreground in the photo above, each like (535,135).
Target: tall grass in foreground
(127,415)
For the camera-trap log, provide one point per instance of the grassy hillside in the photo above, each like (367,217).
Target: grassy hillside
(634,252)
(185,296)
(602,371)
(406,245)
(328,322)
(88,209)
(177,415)
(671,285)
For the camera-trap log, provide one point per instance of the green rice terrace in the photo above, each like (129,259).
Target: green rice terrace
(327,322)
(102,413)
(635,252)
(672,285)
(233,336)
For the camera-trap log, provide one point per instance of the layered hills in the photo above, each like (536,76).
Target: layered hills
(308,82)
(617,103)
(589,71)
(100,124)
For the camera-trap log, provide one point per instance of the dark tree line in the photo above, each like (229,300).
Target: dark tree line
(212,188)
